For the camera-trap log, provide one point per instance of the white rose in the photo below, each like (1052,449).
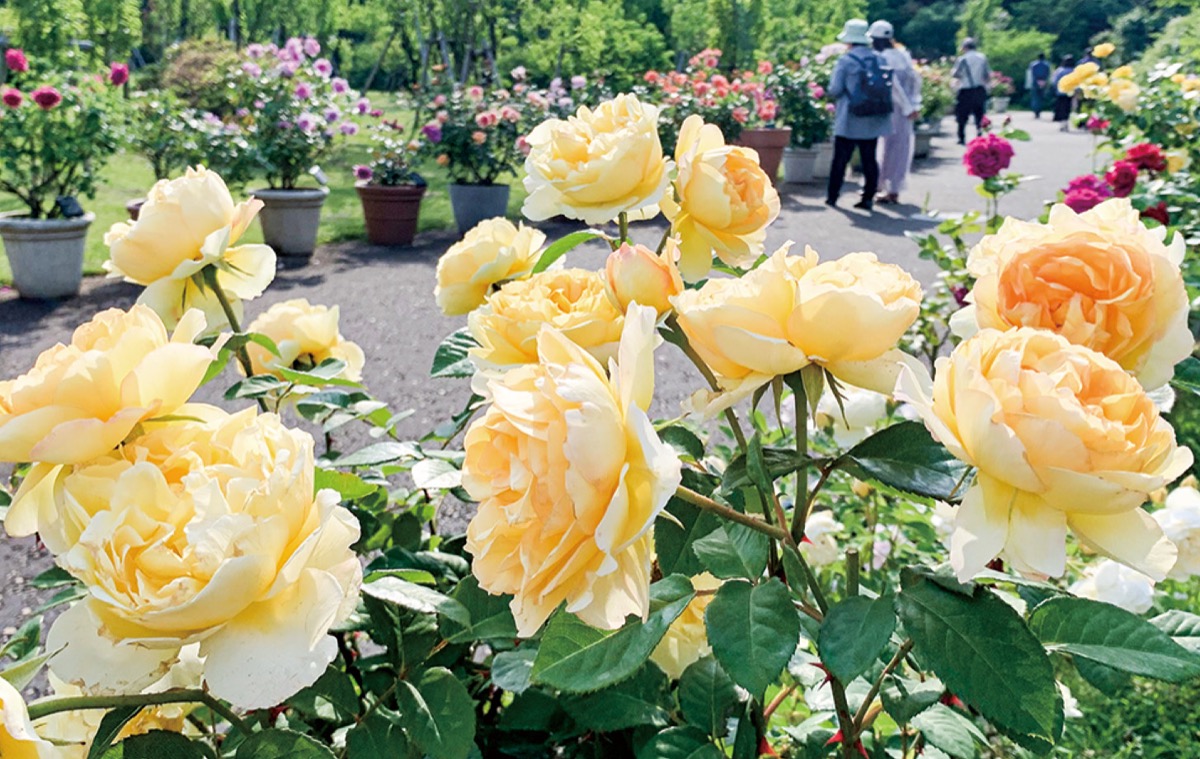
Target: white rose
(1180,522)
(1117,584)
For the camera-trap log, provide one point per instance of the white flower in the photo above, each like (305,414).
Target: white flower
(1117,584)
(821,548)
(1180,521)
(856,417)
(1070,704)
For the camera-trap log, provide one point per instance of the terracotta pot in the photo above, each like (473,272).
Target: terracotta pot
(134,208)
(769,144)
(799,165)
(46,255)
(290,219)
(390,213)
(473,203)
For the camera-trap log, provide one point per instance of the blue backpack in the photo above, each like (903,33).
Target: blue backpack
(873,95)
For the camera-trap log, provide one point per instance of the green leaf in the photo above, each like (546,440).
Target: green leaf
(349,486)
(577,658)
(451,358)
(680,743)
(255,387)
(491,616)
(1184,628)
(950,731)
(1187,375)
(277,744)
(1109,681)
(707,696)
(776,462)
(511,670)
(21,674)
(331,698)
(982,650)
(683,440)
(379,736)
(24,642)
(378,453)
(436,474)
(733,550)
(904,699)
(52,578)
(158,744)
(675,543)
(854,633)
(417,598)
(641,700)
(753,631)
(321,375)
(438,714)
(906,457)
(562,246)
(110,727)
(1109,635)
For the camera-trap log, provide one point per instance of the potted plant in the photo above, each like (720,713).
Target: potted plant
(937,97)
(1001,91)
(476,134)
(388,187)
(801,107)
(293,111)
(59,128)
(760,131)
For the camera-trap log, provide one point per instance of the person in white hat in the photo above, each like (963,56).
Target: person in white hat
(861,86)
(906,97)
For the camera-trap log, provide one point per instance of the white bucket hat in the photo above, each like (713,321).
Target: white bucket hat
(881,30)
(855,32)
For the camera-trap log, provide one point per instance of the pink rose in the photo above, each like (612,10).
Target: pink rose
(1086,192)
(1122,178)
(118,74)
(46,97)
(12,97)
(987,156)
(15,60)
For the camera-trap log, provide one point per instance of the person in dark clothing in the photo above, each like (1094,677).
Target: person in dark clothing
(972,72)
(1062,100)
(1037,76)
(850,131)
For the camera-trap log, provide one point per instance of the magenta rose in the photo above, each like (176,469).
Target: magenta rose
(1086,192)
(987,156)
(118,74)
(15,60)
(46,97)
(12,97)
(1122,178)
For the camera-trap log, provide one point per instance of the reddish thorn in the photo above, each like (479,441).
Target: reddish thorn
(764,748)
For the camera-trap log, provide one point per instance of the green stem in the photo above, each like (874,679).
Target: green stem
(623,223)
(800,508)
(54,706)
(243,356)
(851,572)
(810,579)
(704,502)
(875,687)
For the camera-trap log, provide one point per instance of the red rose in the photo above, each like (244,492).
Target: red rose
(46,96)
(118,74)
(1147,156)
(1158,212)
(987,156)
(12,97)
(1122,178)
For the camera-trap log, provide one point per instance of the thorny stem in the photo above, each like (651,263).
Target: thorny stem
(871,694)
(704,502)
(53,706)
(800,508)
(776,702)
(243,356)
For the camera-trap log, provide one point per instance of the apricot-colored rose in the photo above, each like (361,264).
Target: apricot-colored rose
(492,252)
(573,301)
(1124,93)
(79,401)
(1100,279)
(570,476)
(187,224)
(634,274)
(844,315)
(305,335)
(686,640)
(723,201)
(1061,436)
(596,164)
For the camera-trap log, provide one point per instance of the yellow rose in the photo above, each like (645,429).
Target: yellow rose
(844,315)
(305,335)
(217,522)
(1191,84)
(187,224)
(1074,80)
(1104,49)
(17,738)
(1123,72)
(570,476)
(1061,436)
(596,164)
(1098,80)
(1178,78)
(723,201)
(572,301)
(1177,160)
(493,251)
(1124,93)
(634,274)
(686,641)
(81,400)
(1100,279)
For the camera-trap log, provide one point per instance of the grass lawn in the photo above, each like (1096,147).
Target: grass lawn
(128,176)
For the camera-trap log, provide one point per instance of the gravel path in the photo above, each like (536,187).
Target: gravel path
(387,306)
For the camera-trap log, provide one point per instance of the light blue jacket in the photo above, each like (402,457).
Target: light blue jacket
(844,81)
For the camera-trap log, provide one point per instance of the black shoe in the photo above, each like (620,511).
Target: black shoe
(831,202)
(962,142)
(865,204)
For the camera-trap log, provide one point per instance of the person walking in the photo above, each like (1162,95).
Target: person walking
(861,86)
(1037,76)
(1063,100)
(972,74)
(906,109)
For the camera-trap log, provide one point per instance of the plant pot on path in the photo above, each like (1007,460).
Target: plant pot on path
(799,165)
(390,212)
(769,144)
(1000,104)
(922,144)
(46,255)
(824,164)
(290,219)
(472,203)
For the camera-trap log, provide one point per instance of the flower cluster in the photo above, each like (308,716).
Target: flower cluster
(393,155)
(475,132)
(1119,181)
(987,155)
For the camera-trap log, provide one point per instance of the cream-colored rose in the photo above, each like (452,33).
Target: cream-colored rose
(494,251)
(570,476)
(305,335)
(572,301)
(844,315)
(201,532)
(596,164)
(1061,436)
(1115,584)
(1180,521)
(73,731)
(1124,93)
(79,401)
(634,274)
(686,640)
(1178,159)
(723,201)
(820,546)
(17,737)
(187,224)
(1101,279)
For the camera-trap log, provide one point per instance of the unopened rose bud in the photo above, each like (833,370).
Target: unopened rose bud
(861,489)
(634,273)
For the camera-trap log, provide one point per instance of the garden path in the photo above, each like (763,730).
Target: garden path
(386,301)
